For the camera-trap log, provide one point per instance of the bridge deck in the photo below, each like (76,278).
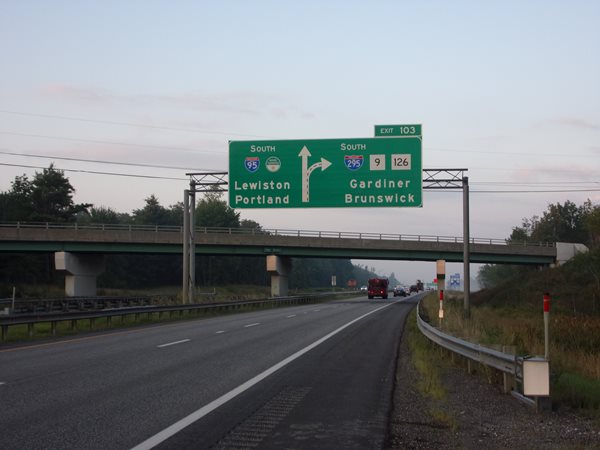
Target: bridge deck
(212,241)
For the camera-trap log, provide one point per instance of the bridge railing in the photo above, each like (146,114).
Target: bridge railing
(273,232)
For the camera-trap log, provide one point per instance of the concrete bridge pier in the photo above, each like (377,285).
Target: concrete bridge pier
(279,267)
(82,270)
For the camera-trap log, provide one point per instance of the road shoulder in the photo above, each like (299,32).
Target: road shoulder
(475,414)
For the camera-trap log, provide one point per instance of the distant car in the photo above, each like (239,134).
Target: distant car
(399,291)
(363,289)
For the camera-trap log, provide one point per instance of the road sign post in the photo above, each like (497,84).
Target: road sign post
(357,172)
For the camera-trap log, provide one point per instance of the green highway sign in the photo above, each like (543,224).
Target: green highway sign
(324,173)
(397,130)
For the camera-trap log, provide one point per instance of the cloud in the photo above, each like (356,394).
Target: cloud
(557,173)
(577,123)
(242,102)
(86,96)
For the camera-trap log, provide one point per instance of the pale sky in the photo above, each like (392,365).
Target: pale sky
(507,89)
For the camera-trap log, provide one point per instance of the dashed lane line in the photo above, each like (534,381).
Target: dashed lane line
(173,429)
(173,343)
(251,325)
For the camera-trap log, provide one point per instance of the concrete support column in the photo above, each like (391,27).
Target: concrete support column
(82,270)
(279,267)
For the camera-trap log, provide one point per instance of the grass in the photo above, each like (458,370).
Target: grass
(574,342)
(19,333)
(426,358)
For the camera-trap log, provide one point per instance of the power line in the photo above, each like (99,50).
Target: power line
(533,183)
(93,172)
(486,152)
(185,179)
(95,141)
(97,161)
(536,191)
(128,124)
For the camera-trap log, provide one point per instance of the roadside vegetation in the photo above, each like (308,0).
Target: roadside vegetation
(509,311)
(425,357)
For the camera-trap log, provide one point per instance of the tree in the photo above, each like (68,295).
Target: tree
(592,225)
(51,197)
(211,211)
(101,215)
(155,214)
(562,223)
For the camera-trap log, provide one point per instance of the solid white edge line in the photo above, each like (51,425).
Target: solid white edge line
(206,409)
(173,343)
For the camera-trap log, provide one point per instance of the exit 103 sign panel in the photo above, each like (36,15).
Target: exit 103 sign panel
(326,173)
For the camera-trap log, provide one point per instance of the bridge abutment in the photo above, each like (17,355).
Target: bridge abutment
(279,267)
(82,271)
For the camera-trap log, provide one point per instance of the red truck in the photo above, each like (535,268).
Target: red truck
(378,287)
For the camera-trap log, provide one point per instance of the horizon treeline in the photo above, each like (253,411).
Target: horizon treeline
(48,197)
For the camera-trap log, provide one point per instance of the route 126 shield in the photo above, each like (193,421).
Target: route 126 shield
(252,163)
(353,162)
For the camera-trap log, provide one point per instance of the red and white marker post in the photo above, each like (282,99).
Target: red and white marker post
(546,325)
(441,312)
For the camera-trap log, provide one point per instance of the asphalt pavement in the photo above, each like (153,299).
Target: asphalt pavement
(312,376)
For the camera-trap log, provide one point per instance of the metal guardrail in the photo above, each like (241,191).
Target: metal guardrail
(502,361)
(66,304)
(510,365)
(30,320)
(274,232)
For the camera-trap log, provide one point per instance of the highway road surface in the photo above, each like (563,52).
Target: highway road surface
(316,376)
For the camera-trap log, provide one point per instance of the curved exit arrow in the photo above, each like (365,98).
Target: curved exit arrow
(306,171)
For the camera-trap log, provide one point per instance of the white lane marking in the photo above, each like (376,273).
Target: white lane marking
(210,407)
(316,310)
(173,343)
(220,332)
(290,316)
(251,325)
(2,383)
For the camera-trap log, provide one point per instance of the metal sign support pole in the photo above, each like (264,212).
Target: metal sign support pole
(192,249)
(454,179)
(186,247)
(199,182)
(466,250)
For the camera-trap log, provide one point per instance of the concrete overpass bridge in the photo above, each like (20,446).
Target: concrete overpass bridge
(80,249)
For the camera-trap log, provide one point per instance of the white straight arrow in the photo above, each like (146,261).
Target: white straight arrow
(306,171)
(304,154)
